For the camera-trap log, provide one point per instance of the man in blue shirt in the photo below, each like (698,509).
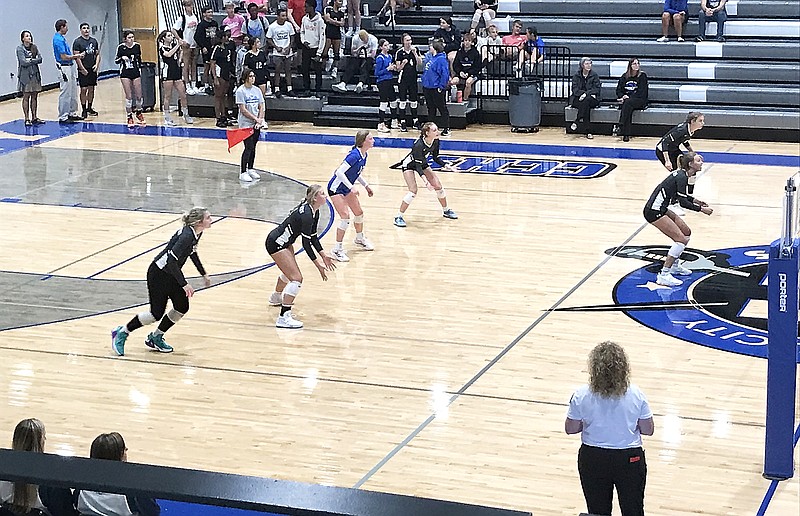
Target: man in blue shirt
(68,78)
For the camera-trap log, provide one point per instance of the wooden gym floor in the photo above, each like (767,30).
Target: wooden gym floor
(430,366)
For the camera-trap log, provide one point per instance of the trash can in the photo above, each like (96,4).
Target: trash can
(524,105)
(149,86)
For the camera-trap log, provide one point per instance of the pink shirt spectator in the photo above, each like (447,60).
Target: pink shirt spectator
(511,40)
(234,24)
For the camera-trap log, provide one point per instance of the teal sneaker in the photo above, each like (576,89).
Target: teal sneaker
(118,337)
(400,222)
(449,214)
(157,342)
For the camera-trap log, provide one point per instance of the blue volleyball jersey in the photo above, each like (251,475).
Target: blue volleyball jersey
(343,185)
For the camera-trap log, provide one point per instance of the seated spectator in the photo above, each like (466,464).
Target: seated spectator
(21,499)
(489,45)
(361,61)
(712,10)
(675,12)
(486,9)
(450,36)
(515,40)
(532,50)
(94,503)
(467,65)
(585,95)
(632,95)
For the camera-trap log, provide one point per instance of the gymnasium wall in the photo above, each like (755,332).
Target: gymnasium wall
(39,17)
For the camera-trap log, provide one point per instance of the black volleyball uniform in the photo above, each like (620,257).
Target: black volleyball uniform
(407,80)
(417,159)
(170,66)
(301,222)
(333,32)
(222,56)
(129,68)
(671,142)
(673,188)
(258,64)
(165,278)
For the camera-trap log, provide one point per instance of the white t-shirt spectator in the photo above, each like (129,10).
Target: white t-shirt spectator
(611,423)
(252,98)
(281,35)
(189,27)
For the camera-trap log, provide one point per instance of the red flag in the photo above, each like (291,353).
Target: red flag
(238,135)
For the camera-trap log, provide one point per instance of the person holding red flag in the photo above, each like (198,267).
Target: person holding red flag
(251,117)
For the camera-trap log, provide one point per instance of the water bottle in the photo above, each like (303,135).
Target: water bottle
(453,93)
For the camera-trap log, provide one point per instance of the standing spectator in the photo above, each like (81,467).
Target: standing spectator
(467,65)
(254,25)
(712,10)
(515,40)
(256,60)
(171,76)
(129,59)
(435,77)
(353,17)
(334,22)
(88,66)
(222,64)
(585,95)
(406,61)
(611,414)
(68,78)
(312,36)
(450,36)
(251,105)
(486,9)
(29,76)
(532,50)
(279,37)
(204,36)
(632,94)
(184,30)
(234,22)
(384,76)
(387,12)
(675,13)
(363,50)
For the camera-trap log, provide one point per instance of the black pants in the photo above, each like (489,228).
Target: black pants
(435,101)
(308,63)
(162,286)
(602,469)
(584,111)
(249,152)
(629,105)
(361,66)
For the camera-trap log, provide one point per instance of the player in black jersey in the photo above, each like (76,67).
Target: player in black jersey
(333,17)
(165,280)
(416,162)
(668,148)
(656,211)
(171,76)
(301,222)
(129,59)
(407,61)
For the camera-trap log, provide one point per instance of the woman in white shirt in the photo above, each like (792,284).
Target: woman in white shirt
(611,414)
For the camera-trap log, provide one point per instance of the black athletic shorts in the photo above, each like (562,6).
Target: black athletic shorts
(90,79)
(408,90)
(272,244)
(386,91)
(651,215)
(673,157)
(130,73)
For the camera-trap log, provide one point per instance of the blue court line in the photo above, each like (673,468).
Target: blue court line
(762,510)
(567,151)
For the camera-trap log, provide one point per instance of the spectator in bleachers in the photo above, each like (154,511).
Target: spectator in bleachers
(280,37)
(353,18)
(334,23)
(585,95)
(94,503)
(234,22)
(486,9)
(222,64)
(674,13)
(363,50)
(389,9)
(467,65)
(712,10)
(450,36)
(255,25)
(204,36)
(256,60)
(29,77)
(184,29)
(515,40)
(384,77)
(632,92)
(435,77)
(532,50)
(312,36)
(241,53)
(488,45)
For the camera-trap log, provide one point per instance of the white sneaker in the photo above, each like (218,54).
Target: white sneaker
(190,90)
(275,299)
(667,279)
(340,255)
(680,270)
(287,320)
(662,39)
(169,122)
(359,87)
(333,72)
(253,174)
(267,90)
(365,243)
(245,177)
(188,119)
(340,87)
(681,40)
(383,129)
(677,210)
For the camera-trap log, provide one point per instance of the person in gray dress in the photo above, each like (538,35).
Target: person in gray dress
(30,78)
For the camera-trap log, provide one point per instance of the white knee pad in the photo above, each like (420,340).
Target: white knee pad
(676,250)
(174,315)
(441,194)
(402,105)
(359,219)
(283,278)
(393,104)
(408,197)
(343,224)
(292,289)
(382,106)
(146,318)
(414,104)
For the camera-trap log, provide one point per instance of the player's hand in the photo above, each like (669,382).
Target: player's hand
(94,68)
(84,72)
(369,191)
(668,166)
(189,290)
(322,272)
(707,210)
(207,280)
(329,263)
